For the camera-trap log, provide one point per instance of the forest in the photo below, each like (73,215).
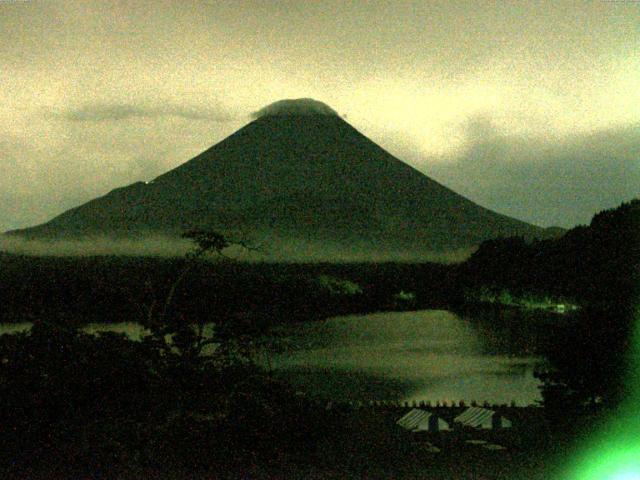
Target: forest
(74,403)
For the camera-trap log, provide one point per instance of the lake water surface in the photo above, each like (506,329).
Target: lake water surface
(430,355)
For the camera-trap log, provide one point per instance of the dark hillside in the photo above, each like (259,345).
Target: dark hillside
(596,267)
(313,179)
(597,264)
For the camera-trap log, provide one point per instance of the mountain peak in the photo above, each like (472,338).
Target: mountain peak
(305,180)
(297,107)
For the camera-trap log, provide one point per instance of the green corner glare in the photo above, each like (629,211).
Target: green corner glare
(621,462)
(614,452)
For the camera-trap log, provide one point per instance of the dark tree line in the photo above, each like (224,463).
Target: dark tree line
(113,289)
(595,266)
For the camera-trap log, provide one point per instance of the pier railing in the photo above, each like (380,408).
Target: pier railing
(403,404)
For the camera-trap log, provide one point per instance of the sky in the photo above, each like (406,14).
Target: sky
(531,109)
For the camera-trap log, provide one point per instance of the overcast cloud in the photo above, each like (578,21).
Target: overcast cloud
(119,111)
(559,182)
(529,108)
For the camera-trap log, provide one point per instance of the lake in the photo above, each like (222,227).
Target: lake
(432,355)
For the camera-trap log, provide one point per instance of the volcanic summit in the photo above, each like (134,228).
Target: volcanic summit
(296,173)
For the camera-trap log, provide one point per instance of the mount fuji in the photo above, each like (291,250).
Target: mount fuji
(298,173)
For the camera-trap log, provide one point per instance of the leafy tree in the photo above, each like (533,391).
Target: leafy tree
(202,359)
(590,360)
(185,397)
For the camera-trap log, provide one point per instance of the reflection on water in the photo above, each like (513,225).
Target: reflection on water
(133,330)
(14,327)
(434,355)
(427,355)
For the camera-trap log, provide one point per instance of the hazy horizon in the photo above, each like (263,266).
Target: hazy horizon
(261,250)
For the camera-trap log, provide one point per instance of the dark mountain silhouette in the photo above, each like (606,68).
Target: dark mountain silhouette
(297,172)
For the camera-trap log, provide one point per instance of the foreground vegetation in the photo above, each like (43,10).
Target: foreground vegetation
(77,406)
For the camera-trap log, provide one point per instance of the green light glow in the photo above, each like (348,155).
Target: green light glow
(619,461)
(630,475)
(614,453)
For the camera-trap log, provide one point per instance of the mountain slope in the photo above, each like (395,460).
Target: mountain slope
(309,177)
